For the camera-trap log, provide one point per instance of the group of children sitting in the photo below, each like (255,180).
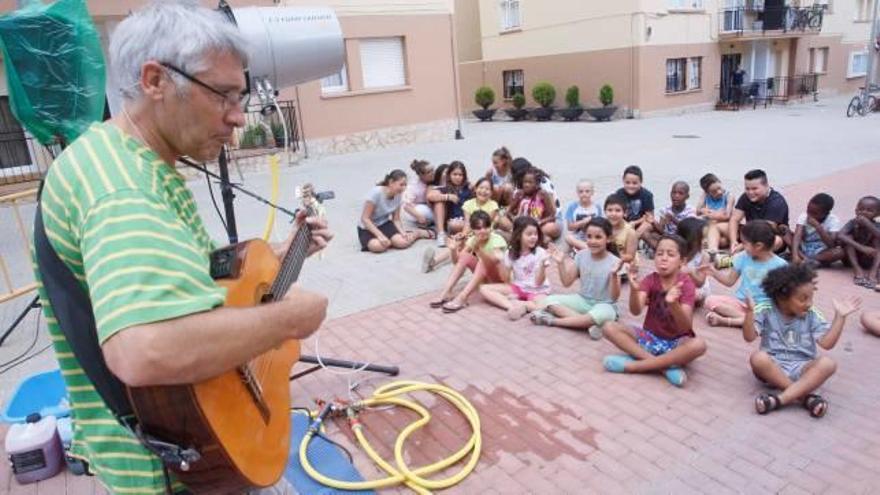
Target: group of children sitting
(504,228)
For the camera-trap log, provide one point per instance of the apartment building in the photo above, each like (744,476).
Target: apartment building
(664,56)
(397,84)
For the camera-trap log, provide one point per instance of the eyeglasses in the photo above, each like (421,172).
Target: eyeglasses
(230,99)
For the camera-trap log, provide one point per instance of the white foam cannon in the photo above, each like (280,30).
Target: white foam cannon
(288,46)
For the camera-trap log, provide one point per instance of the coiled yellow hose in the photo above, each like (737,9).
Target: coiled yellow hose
(401,472)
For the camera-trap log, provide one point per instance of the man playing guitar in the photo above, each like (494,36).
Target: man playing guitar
(121,218)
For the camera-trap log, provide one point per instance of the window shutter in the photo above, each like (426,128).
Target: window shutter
(383,62)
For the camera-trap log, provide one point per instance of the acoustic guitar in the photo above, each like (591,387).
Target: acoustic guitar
(238,422)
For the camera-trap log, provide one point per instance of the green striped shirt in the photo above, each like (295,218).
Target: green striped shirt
(126,225)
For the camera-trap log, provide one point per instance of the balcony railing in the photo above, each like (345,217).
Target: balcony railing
(741,21)
(766,91)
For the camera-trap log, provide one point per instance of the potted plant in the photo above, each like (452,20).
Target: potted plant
(573,99)
(278,134)
(544,94)
(254,136)
(517,113)
(607,110)
(484,97)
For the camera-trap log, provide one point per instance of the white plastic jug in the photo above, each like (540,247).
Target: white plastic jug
(34,449)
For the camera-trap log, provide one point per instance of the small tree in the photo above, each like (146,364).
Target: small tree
(519,101)
(544,94)
(606,95)
(484,97)
(573,97)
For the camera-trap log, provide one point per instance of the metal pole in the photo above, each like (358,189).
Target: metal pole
(228,197)
(871,53)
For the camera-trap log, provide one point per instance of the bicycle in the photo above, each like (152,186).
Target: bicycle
(863,103)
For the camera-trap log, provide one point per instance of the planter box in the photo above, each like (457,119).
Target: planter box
(516,114)
(602,113)
(485,114)
(571,114)
(543,113)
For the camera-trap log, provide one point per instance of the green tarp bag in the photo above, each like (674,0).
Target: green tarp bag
(54,69)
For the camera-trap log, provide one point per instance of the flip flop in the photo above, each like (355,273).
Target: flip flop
(448,309)
(439,303)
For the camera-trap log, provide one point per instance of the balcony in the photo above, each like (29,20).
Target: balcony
(769,22)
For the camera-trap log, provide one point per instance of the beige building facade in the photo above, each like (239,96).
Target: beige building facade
(663,56)
(398,84)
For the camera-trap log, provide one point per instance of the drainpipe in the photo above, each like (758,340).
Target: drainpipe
(632,64)
(455,82)
(871,52)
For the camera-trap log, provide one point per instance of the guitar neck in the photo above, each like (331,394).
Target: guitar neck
(292,263)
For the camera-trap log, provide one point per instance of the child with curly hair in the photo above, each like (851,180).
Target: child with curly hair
(790,328)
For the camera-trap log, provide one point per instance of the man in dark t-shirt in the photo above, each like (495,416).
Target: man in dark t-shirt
(761,202)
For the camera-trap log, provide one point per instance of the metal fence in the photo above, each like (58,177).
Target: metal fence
(264,133)
(766,91)
(22,159)
(759,19)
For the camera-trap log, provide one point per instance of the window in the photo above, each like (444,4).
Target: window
(513,83)
(864,10)
(383,62)
(818,60)
(684,4)
(510,15)
(683,74)
(694,72)
(335,83)
(858,64)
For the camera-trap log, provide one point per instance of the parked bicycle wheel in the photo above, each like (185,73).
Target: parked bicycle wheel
(869,106)
(854,107)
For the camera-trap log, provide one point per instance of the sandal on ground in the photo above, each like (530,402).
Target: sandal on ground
(430,234)
(765,403)
(616,363)
(676,376)
(542,317)
(439,303)
(816,405)
(861,281)
(453,307)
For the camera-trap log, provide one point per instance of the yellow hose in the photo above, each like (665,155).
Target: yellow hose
(276,179)
(401,473)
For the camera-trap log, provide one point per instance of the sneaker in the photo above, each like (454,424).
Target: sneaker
(676,376)
(541,317)
(441,239)
(516,311)
(428,260)
(596,332)
(615,363)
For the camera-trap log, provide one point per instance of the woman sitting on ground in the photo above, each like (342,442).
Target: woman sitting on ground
(380,227)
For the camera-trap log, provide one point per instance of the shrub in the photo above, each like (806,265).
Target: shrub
(253,136)
(573,97)
(606,95)
(544,94)
(519,100)
(484,97)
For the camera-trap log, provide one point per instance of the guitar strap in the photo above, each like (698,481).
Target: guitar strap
(73,311)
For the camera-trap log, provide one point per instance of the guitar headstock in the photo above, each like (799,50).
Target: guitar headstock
(312,202)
